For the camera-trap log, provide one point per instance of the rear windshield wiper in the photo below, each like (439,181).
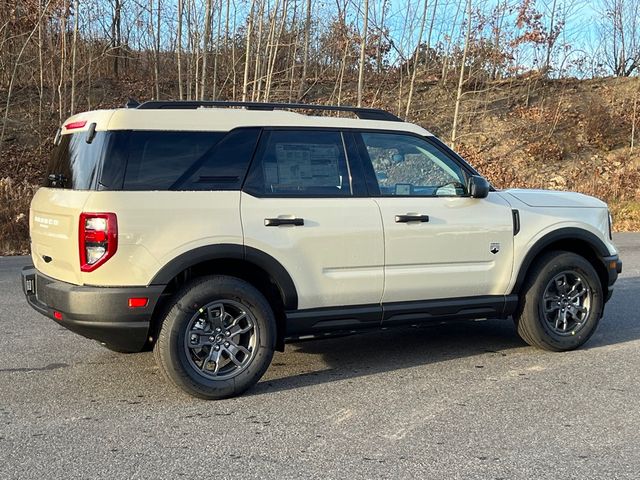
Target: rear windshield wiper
(57,180)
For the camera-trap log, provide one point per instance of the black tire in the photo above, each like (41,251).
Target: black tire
(537,328)
(173,355)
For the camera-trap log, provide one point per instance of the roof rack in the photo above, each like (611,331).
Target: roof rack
(362,113)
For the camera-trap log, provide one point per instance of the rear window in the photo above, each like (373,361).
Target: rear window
(153,160)
(74,163)
(158,160)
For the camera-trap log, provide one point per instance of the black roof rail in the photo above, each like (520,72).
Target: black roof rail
(362,113)
(132,103)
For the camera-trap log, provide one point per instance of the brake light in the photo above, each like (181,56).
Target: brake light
(74,125)
(98,239)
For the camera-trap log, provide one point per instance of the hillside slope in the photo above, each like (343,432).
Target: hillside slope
(530,132)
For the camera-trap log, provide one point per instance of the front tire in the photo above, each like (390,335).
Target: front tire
(561,302)
(218,338)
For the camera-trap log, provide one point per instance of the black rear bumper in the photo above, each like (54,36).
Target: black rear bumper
(99,313)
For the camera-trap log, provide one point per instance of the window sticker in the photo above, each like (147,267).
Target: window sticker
(305,165)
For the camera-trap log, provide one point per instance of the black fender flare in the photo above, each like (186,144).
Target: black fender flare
(566,233)
(230,251)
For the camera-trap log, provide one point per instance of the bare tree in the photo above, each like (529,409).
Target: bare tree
(215,58)
(305,55)
(116,30)
(363,49)
(74,54)
(62,83)
(620,32)
(179,48)
(257,72)
(245,83)
(205,47)
(454,128)
(415,59)
(15,72)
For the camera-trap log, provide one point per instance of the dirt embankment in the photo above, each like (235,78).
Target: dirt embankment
(560,134)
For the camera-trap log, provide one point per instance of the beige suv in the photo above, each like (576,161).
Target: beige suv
(213,232)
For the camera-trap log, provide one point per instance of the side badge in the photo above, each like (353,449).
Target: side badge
(494,247)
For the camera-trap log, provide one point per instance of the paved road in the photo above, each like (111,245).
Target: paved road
(456,401)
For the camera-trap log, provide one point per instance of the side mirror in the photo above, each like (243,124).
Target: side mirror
(478,187)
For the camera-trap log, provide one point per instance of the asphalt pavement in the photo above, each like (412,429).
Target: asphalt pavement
(465,400)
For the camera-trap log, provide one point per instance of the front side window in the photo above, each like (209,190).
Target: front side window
(410,166)
(301,163)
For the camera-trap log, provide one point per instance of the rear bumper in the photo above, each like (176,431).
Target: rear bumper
(613,266)
(99,313)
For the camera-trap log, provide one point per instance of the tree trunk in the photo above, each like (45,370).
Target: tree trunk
(247,54)
(416,56)
(294,53)
(179,49)
(363,47)
(380,37)
(115,35)
(445,62)
(41,69)
(74,50)
(255,90)
(550,40)
(454,128)
(205,47)
(215,57)
(273,53)
(63,60)
(157,62)
(305,55)
(427,49)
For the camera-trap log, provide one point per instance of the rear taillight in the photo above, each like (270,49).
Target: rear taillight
(98,239)
(74,125)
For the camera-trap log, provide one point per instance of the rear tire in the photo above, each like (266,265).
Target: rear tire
(217,339)
(561,302)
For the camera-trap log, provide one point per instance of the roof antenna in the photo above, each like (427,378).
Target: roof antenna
(132,103)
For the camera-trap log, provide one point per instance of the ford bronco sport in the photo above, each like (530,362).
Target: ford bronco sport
(213,232)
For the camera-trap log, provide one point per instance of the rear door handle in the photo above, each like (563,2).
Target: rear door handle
(276,222)
(411,218)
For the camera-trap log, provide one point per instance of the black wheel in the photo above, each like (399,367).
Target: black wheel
(561,302)
(218,338)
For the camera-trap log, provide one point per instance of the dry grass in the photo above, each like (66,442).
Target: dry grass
(614,179)
(15,197)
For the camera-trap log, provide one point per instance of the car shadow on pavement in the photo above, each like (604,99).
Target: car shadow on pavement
(382,351)
(621,321)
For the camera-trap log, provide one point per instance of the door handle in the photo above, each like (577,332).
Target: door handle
(276,222)
(411,218)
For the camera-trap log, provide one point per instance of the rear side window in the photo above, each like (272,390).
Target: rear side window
(74,163)
(301,163)
(159,160)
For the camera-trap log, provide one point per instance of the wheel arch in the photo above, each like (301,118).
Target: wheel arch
(576,240)
(249,264)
